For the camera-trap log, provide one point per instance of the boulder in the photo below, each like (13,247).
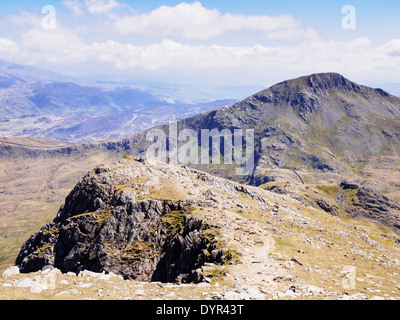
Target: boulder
(10,271)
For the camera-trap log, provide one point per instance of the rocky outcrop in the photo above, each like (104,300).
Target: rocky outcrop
(101,228)
(369,204)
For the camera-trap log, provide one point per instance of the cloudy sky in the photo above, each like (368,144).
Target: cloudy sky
(215,42)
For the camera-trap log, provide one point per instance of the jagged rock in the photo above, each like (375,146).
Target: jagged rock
(104,229)
(347,185)
(371,205)
(102,169)
(250,194)
(326,207)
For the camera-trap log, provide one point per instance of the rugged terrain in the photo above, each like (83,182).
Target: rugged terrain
(317,219)
(35,177)
(246,242)
(320,128)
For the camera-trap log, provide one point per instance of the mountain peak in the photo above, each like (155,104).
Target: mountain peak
(335,81)
(327,81)
(319,86)
(318,83)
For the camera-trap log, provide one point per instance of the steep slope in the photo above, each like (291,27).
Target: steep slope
(317,128)
(35,177)
(315,122)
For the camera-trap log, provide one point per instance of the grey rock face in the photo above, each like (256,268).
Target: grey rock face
(372,205)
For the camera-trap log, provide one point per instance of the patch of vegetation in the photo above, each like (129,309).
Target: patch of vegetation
(231,257)
(51,231)
(128,157)
(129,185)
(349,195)
(284,243)
(170,191)
(332,190)
(139,248)
(97,217)
(271,184)
(44,248)
(174,221)
(101,216)
(21,230)
(78,216)
(213,236)
(214,274)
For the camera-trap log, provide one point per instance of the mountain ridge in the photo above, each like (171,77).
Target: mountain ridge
(37,102)
(325,136)
(297,117)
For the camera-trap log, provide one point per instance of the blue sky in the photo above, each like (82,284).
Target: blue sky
(214,42)
(378,19)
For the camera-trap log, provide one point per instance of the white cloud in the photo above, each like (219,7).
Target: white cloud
(356,59)
(101,6)
(22,20)
(194,21)
(72,49)
(65,49)
(359,59)
(75,6)
(8,49)
(392,48)
(39,40)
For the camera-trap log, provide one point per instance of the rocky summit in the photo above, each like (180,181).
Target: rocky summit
(152,222)
(113,221)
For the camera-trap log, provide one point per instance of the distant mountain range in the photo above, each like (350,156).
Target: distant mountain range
(36,102)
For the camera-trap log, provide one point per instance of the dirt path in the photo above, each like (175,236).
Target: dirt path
(259,274)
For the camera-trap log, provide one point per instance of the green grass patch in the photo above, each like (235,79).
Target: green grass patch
(174,221)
